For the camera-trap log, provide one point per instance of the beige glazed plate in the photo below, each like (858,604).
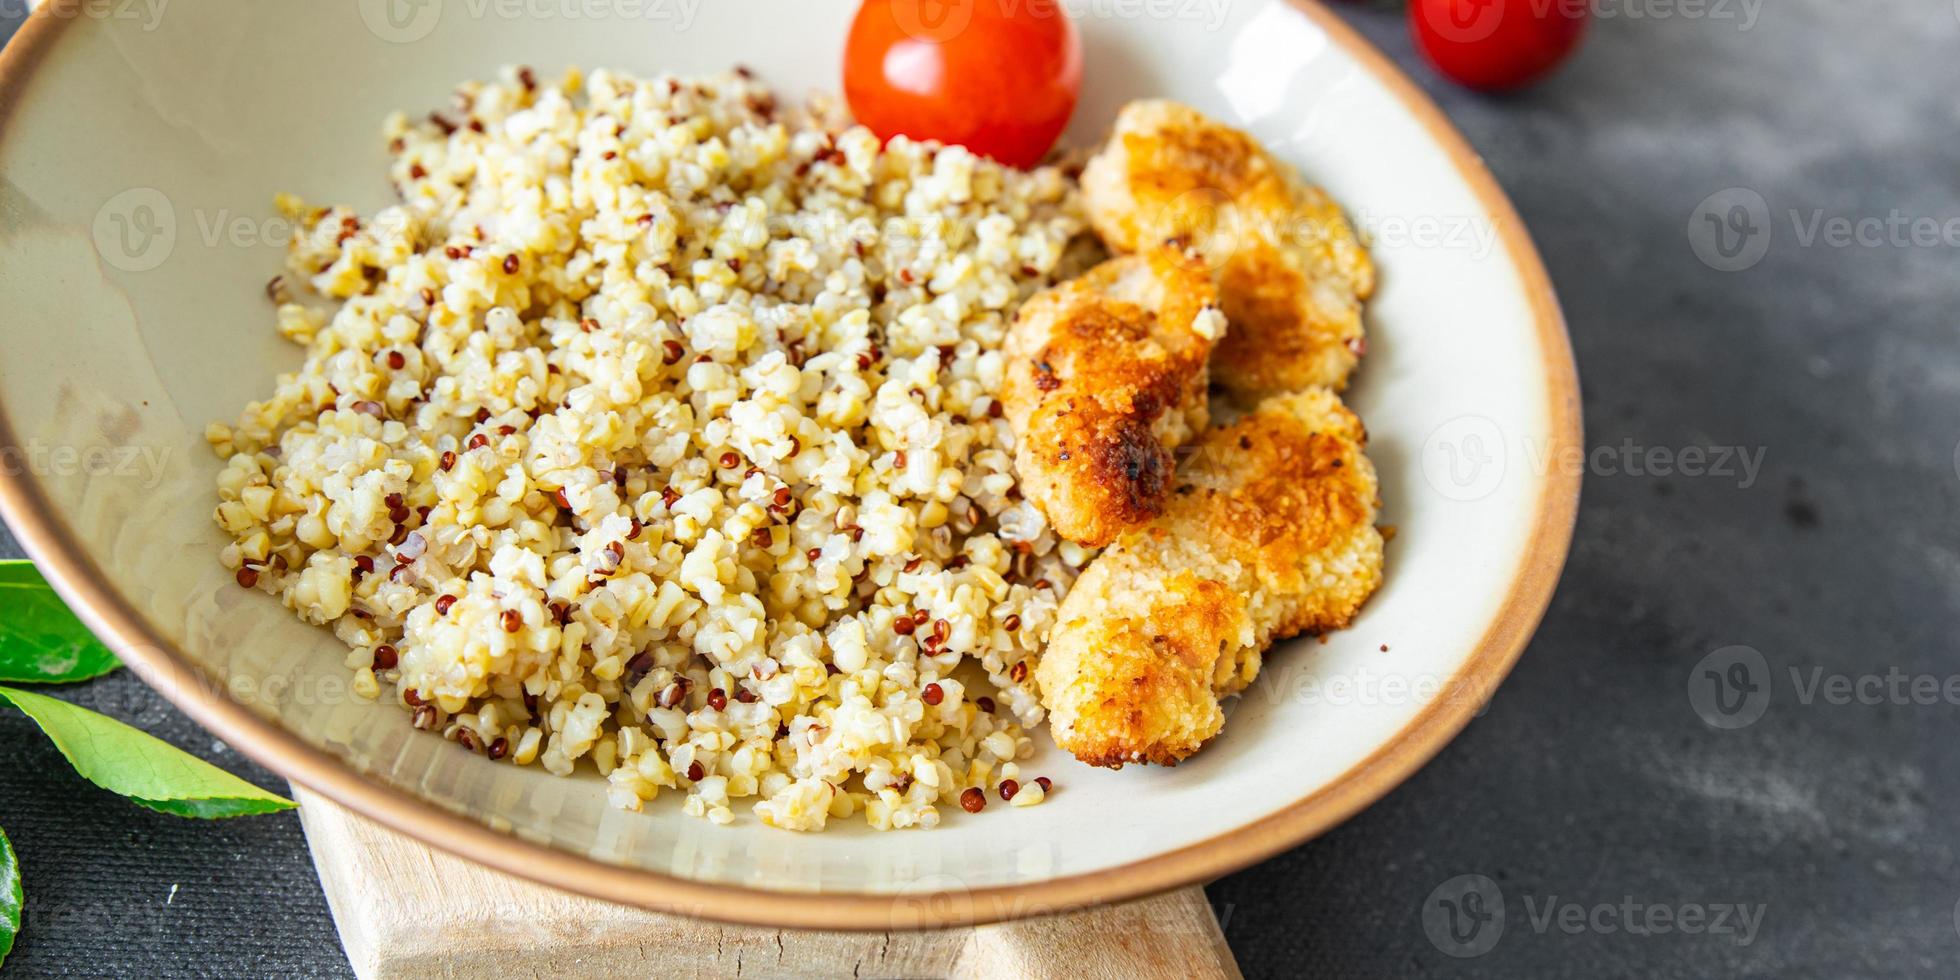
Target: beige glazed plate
(140,149)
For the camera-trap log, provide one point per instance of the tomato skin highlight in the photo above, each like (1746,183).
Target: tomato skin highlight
(1000,77)
(1498,45)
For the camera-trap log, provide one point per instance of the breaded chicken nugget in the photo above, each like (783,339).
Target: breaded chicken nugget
(1270,533)
(1105,376)
(1292,275)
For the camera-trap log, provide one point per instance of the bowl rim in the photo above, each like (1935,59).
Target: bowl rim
(45,535)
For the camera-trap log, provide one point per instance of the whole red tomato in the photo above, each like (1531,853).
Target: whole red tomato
(1000,77)
(1496,45)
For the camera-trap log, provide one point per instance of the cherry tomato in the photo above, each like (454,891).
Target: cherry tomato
(1000,77)
(1496,45)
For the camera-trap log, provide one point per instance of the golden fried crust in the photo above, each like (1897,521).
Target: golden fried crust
(1269,533)
(1292,274)
(1105,376)
(1170,172)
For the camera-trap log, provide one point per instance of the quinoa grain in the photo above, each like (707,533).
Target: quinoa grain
(555,596)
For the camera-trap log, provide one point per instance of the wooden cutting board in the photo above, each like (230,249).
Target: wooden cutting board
(408,912)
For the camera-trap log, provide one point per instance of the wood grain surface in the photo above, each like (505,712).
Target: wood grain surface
(406,912)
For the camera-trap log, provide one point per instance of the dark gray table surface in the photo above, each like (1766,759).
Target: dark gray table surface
(1606,815)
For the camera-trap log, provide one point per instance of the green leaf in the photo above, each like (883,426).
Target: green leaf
(11,897)
(148,771)
(41,642)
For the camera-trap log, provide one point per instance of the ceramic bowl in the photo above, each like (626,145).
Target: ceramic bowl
(142,143)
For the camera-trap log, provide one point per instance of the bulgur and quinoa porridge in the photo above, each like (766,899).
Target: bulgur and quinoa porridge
(655,431)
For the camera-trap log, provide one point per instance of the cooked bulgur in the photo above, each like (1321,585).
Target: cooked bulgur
(654,428)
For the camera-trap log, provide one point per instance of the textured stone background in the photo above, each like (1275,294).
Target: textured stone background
(1591,780)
